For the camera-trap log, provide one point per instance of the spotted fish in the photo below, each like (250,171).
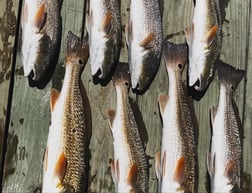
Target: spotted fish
(129,168)
(225,156)
(105,36)
(66,157)
(41,36)
(144,38)
(176,165)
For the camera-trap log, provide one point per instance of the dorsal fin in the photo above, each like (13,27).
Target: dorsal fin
(162,101)
(40,17)
(60,167)
(211,34)
(107,23)
(54,97)
(145,43)
(179,171)
(111,117)
(132,175)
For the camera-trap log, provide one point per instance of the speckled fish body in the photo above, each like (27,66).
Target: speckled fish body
(176,165)
(144,38)
(66,157)
(129,168)
(41,36)
(105,36)
(204,39)
(225,157)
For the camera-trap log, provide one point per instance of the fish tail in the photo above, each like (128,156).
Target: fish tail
(227,74)
(122,74)
(175,53)
(76,47)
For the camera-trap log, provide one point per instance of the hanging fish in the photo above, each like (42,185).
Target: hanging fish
(225,156)
(129,168)
(66,157)
(144,38)
(105,36)
(204,39)
(41,36)
(176,165)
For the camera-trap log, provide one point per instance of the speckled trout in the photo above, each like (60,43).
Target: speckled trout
(176,165)
(225,157)
(129,168)
(41,36)
(144,38)
(66,157)
(103,24)
(204,38)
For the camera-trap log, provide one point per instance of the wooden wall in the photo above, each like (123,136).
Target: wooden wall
(25,121)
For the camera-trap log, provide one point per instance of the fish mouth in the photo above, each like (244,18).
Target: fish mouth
(196,83)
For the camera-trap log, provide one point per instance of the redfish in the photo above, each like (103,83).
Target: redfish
(144,37)
(225,158)
(105,36)
(129,168)
(41,36)
(176,165)
(66,157)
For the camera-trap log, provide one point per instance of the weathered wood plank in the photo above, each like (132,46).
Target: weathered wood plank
(30,115)
(8,22)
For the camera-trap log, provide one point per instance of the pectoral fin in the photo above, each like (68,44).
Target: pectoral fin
(106,23)
(111,116)
(54,97)
(162,101)
(146,42)
(40,17)
(132,175)
(211,34)
(61,166)
(229,170)
(213,113)
(179,171)
(163,164)
(210,164)
(158,165)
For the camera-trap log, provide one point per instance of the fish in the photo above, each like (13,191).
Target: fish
(103,24)
(176,163)
(129,167)
(67,155)
(224,161)
(144,37)
(41,36)
(204,39)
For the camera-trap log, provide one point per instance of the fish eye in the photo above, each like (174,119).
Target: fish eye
(180,66)
(126,83)
(80,61)
(232,87)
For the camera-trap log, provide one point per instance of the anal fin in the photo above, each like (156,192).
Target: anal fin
(158,165)
(162,101)
(54,97)
(111,116)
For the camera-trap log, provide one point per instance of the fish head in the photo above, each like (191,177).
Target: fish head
(121,75)
(144,64)
(201,66)
(36,52)
(77,50)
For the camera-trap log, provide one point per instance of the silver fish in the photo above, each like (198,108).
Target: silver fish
(204,38)
(105,36)
(225,157)
(41,36)
(129,168)
(144,38)
(66,157)
(176,165)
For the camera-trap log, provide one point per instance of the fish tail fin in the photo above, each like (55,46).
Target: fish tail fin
(228,74)
(122,74)
(76,47)
(175,53)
